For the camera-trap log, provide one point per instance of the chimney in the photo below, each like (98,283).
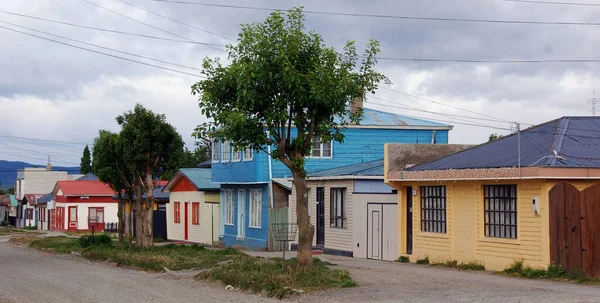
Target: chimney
(357,103)
(49,166)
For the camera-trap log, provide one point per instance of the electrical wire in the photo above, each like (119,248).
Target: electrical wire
(102,53)
(554,3)
(29,157)
(492,61)
(144,23)
(2,144)
(102,47)
(174,20)
(44,140)
(108,30)
(382,16)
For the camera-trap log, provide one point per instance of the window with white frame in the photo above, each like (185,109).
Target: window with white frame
(229,206)
(236,155)
(321,149)
(225,151)
(255,207)
(248,154)
(337,208)
(216,151)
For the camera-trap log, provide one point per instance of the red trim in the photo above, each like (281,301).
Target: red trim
(184,184)
(195,213)
(185,236)
(72,224)
(77,199)
(177,212)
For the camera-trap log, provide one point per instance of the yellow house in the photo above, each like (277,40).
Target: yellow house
(533,196)
(193,208)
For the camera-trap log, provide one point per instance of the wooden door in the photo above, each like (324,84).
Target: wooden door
(320,216)
(185,221)
(590,230)
(72,218)
(374,231)
(409,221)
(565,226)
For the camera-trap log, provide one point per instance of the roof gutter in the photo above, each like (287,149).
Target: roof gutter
(504,173)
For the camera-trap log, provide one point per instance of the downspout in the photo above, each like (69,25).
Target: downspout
(433,139)
(270,175)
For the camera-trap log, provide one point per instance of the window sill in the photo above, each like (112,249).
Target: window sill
(499,240)
(229,224)
(255,227)
(240,238)
(335,227)
(428,234)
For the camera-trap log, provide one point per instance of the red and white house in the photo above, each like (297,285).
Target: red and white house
(82,205)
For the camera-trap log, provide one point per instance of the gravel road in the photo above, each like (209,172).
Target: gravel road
(31,276)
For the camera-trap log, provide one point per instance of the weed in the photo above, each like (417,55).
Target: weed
(99,239)
(533,273)
(423,261)
(403,259)
(474,265)
(554,271)
(515,268)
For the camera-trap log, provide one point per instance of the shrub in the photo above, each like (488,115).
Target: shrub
(555,271)
(423,261)
(96,240)
(533,273)
(515,268)
(403,259)
(471,266)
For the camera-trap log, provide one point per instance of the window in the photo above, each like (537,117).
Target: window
(216,151)
(177,212)
(236,156)
(195,213)
(500,211)
(29,214)
(255,207)
(248,154)
(96,214)
(433,209)
(228,206)
(225,151)
(320,149)
(337,208)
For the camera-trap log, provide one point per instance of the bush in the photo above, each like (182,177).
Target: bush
(96,240)
(423,261)
(554,271)
(403,259)
(533,273)
(515,268)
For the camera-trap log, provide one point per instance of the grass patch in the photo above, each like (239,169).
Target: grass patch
(265,275)
(423,261)
(10,231)
(403,259)
(60,245)
(30,228)
(159,240)
(473,265)
(553,272)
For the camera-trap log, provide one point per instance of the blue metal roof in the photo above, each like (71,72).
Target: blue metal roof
(371,168)
(564,142)
(88,177)
(372,117)
(200,177)
(45,199)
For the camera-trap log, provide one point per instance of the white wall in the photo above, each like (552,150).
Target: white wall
(110,213)
(41,181)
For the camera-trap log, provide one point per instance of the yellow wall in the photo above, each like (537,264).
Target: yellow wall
(465,240)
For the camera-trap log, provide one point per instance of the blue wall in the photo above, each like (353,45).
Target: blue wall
(255,238)
(360,145)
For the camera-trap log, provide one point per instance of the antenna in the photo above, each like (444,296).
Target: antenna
(593,103)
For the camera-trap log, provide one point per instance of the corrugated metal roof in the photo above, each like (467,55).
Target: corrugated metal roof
(564,142)
(372,117)
(200,177)
(46,198)
(88,177)
(84,188)
(371,168)
(287,184)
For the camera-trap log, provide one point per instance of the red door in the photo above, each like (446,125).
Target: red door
(52,219)
(60,218)
(185,220)
(72,218)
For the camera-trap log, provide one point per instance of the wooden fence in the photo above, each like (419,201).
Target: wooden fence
(277,216)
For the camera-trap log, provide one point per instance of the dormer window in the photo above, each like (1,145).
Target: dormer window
(321,149)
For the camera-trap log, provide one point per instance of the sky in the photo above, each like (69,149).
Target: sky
(56,92)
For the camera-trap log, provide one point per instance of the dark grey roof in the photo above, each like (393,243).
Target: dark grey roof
(88,177)
(205,164)
(371,168)
(45,199)
(564,142)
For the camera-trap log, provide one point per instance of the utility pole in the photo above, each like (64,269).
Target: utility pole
(593,103)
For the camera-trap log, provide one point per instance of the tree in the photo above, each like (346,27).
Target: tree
(152,148)
(494,136)
(86,163)
(111,168)
(285,88)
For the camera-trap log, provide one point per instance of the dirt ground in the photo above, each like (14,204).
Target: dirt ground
(31,276)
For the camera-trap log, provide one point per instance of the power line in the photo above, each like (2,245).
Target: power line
(2,144)
(29,157)
(108,30)
(144,23)
(102,53)
(554,3)
(464,20)
(174,20)
(491,61)
(99,46)
(44,140)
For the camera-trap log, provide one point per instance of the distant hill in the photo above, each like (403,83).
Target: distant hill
(8,171)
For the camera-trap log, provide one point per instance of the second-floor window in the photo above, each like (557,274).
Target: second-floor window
(225,151)
(321,149)
(216,151)
(248,154)
(236,156)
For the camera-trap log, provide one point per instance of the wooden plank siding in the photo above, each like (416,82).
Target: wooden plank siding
(207,229)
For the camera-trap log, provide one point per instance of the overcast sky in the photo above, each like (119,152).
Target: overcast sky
(56,92)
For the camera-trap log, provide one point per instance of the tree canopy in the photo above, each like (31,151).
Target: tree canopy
(86,162)
(284,87)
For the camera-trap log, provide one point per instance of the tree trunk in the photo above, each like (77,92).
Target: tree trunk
(120,215)
(128,221)
(306,231)
(139,240)
(146,213)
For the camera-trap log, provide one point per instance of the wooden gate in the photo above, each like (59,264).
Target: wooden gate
(575,228)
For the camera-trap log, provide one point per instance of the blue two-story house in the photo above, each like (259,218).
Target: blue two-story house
(246,176)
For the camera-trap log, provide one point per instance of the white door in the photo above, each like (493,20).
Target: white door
(374,231)
(241,222)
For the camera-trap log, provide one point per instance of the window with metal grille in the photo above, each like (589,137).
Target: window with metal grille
(195,213)
(177,212)
(500,211)
(433,209)
(337,208)
(216,151)
(321,149)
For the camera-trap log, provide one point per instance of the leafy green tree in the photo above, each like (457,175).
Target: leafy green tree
(285,88)
(151,148)
(494,136)
(86,161)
